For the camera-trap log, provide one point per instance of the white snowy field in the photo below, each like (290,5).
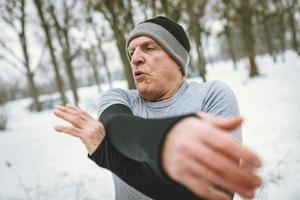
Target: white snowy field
(38,163)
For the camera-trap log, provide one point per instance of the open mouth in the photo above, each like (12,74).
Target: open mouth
(138,73)
(139,76)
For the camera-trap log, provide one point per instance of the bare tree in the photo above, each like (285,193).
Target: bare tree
(3,118)
(91,57)
(119,16)
(103,55)
(46,29)
(265,15)
(172,8)
(195,11)
(291,10)
(280,15)
(243,18)
(225,14)
(62,31)
(15,17)
(100,36)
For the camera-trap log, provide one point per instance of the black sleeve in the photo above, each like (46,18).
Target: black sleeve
(131,149)
(134,137)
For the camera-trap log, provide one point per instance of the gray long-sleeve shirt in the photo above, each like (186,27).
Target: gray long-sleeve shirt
(212,97)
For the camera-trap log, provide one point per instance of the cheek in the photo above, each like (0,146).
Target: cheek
(163,70)
(165,74)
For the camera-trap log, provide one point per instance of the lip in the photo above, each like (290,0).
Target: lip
(139,75)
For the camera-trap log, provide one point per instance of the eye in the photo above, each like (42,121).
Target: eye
(130,53)
(150,48)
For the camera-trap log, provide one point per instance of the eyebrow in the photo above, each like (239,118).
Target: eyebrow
(146,43)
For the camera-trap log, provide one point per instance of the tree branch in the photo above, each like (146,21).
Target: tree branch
(39,64)
(11,52)
(11,63)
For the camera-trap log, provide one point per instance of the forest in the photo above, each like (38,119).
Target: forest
(57,46)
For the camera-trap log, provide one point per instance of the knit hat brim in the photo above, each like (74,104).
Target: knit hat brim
(165,39)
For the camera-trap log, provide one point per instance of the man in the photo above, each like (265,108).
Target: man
(157,138)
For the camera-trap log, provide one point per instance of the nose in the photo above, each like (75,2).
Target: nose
(137,58)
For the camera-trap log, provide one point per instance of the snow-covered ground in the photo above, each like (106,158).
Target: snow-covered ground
(38,163)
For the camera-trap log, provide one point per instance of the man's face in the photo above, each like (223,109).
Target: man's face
(155,73)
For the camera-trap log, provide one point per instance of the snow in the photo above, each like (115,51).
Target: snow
(38,163)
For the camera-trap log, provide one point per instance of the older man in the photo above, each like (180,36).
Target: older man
(157,138)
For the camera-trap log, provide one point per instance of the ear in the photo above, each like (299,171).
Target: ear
(179,69)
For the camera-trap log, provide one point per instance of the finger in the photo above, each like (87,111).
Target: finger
(202,171)
(75,108)
(84,115)
(226,123)
(66,109)
(223,166)
(247,167)
(204,189)
(225,143)
(73,119)
(71,130)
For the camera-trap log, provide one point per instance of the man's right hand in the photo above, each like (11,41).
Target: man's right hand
(202,155)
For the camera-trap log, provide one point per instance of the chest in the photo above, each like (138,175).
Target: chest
(182,106)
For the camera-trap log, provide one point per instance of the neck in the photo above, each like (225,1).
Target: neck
(168,94)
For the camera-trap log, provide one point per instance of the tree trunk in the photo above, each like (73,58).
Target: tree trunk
(121,43)
(68,63)
(91,58)
(103,56)
(63,39)
(67,54)
(293,28)
(129,17)
(154,8)
(165,7)
(230,45)
(248,41)
(30,77)
(195,30)
(121,46)
(282,34)
(201,59)
(102,53)
(247,35)
(113,14)
(33,91)
(268,38)
(281,25)
(104,59)
(45,26)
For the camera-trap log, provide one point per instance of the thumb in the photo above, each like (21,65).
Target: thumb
(225,123)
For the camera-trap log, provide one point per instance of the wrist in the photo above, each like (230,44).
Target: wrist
(173,140)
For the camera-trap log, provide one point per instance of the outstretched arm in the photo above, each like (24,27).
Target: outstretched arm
(196,153)
(127,155)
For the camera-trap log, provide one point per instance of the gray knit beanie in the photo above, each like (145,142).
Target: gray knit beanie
(169,35)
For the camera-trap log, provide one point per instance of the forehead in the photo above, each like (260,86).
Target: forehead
(141,40)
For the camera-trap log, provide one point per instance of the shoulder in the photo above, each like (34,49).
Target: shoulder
(220,99)
(116,96)
(210,85)
(210,88)
(219,87)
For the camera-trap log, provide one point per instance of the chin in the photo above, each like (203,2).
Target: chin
(146,93)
